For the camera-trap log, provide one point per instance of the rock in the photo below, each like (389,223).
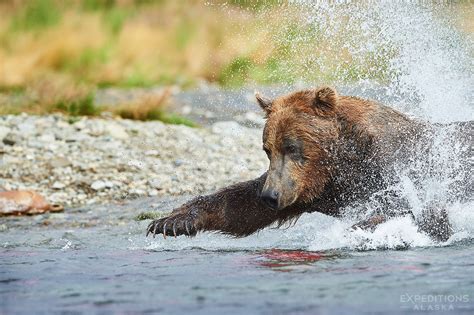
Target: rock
(95,129)
(152,153)
(21,202)
(159,128)
(77,168)
(116,131)
(98,185)
(152,193)
(155,183)
(58,185)
(77,137)
(227,128)
(108,184)
(79,125)
(47,138)
(27,128)
(81,197)
(59,162)
(187,134)
(11,139)
(4,131)
(208,114)
(178,162)
(186,110)
(137,192)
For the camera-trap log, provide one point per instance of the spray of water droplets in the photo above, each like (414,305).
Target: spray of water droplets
(417,57)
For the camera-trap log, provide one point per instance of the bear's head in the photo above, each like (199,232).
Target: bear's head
(299,133)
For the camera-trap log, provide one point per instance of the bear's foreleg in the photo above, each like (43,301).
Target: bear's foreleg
(236,210)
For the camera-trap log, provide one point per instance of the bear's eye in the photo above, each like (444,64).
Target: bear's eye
(291,149)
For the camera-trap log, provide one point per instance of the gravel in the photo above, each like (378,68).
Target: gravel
(96,160)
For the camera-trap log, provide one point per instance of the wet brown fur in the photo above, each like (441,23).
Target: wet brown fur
(348,143)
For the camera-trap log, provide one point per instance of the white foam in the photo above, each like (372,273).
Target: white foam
(317,232)
(432,79)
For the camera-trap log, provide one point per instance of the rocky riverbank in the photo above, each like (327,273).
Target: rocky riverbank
(96,160)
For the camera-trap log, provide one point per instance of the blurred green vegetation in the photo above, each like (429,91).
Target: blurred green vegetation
(137,43)
(141,43)
(36,15)
(158,114)
(83,106)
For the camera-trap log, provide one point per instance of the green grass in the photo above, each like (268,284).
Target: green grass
(158,114)
(255,4)
(175,119)
(266,44)
(79,107)
(36,15)
(73,119)
(243,70)
(84,106)
(87,60)
(115,18)
(137,78)
(184,33)
(237,72)
(94,5)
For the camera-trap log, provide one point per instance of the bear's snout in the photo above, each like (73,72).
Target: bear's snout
(270,198)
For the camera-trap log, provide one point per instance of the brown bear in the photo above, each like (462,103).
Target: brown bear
(326,152)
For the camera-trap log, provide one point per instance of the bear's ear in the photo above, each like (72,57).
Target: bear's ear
(265,103)
(325,98)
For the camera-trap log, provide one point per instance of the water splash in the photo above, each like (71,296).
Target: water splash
(427,69)
(434,63)
(422,59)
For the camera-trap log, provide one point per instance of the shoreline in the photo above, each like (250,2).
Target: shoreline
(99,160)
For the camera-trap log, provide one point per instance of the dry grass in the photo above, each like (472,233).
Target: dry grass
(148,44)
(85,44)
(162,42)
(147,107)
(51,93)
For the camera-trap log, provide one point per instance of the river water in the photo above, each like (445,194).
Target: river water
(96,259)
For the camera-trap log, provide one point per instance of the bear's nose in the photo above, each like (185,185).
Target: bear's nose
(270,198)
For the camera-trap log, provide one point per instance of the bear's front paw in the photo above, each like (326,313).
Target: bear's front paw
(175,224)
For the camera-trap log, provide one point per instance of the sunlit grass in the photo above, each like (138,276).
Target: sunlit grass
(151,107)
(145,43)
(61,95)
(35,15)
(51,94)
(141,43)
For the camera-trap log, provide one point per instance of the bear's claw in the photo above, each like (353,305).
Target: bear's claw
(174,225)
